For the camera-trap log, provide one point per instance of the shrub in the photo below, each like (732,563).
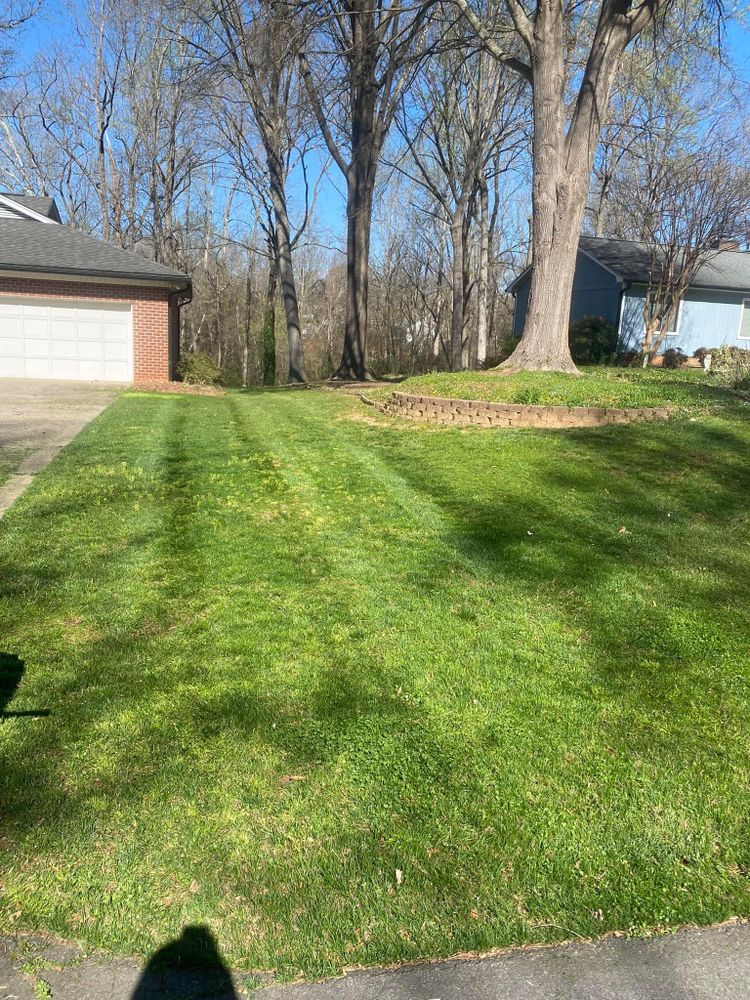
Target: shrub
(593,340)
(197,368)
(628,359)
(731,367)
(727,354)
(673,357)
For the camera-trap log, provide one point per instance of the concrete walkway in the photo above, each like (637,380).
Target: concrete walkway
(37,419)
(712,964)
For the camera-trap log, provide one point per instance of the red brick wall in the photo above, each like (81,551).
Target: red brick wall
(150,316)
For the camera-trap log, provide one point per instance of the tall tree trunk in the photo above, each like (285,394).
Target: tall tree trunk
(556,213)
(358,224)
(246,338)
(483,272)
(286,271)
(563,159)
(268,327)
(457,287)
(466,340)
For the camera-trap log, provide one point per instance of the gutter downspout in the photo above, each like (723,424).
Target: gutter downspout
(179,298)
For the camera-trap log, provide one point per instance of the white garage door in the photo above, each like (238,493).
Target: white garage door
(47,338)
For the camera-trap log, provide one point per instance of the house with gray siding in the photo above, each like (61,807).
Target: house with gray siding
(611,279)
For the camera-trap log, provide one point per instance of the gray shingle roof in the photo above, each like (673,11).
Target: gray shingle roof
(55,249)
(728,269)
(631,261)
(44,206)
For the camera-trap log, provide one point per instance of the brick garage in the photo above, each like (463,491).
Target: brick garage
(75,307)
(154,352)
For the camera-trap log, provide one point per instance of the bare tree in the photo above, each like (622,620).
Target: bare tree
(569,105)
(464,108)
(356,59)
(693,209)
(251,42)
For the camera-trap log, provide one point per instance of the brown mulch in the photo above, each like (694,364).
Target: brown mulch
(181,388)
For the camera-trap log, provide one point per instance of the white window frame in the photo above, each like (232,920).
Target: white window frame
(739,325)
(678,324)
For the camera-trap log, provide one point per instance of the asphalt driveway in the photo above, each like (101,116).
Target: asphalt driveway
(37,418)
(710,964)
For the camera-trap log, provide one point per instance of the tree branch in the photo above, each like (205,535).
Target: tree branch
(490,44)
(333,149)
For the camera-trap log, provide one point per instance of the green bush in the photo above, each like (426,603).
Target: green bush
(673,357)
(629,359)
(731,367)
(197,368)
(593,340)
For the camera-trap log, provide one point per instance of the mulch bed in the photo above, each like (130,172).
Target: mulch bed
(181,388)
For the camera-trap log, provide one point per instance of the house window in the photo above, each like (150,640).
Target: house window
(744,331)
(675,321)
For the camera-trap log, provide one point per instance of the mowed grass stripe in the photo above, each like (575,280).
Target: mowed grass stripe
(477,678)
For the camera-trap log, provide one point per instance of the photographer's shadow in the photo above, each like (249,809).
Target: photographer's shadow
(11,672)
(189,967)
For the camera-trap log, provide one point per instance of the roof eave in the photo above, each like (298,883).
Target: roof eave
(699,286)
(66,274)
(511,288)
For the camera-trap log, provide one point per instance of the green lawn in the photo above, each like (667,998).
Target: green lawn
(288,649)
(687,389)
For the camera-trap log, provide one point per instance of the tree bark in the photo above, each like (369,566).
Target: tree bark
(458,288)
(246,338)
(286,270)
(557,217)
(483,272)
(358,225)
(268,328)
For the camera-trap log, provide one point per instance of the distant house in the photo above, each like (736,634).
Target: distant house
(76,307)
(611,279)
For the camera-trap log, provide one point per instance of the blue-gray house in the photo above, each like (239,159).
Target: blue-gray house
(611,279)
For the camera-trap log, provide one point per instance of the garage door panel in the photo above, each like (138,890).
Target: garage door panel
(37,368)
(11,326)
(49,338)
(64,349)
(36,327)
(64,368)
(116,371)
(90,329)
(62,327)
(116,331)
(90,350)
(116,352)
(90,370)
(12,367)
(36,347)
(35,310)
(11,347)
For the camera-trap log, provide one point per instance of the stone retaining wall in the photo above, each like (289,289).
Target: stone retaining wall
(464,412)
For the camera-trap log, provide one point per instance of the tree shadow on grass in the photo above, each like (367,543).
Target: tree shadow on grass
(189,967)
(605,529)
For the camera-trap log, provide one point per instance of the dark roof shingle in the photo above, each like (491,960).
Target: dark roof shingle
(37,203)
(56,249)
(631,261)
